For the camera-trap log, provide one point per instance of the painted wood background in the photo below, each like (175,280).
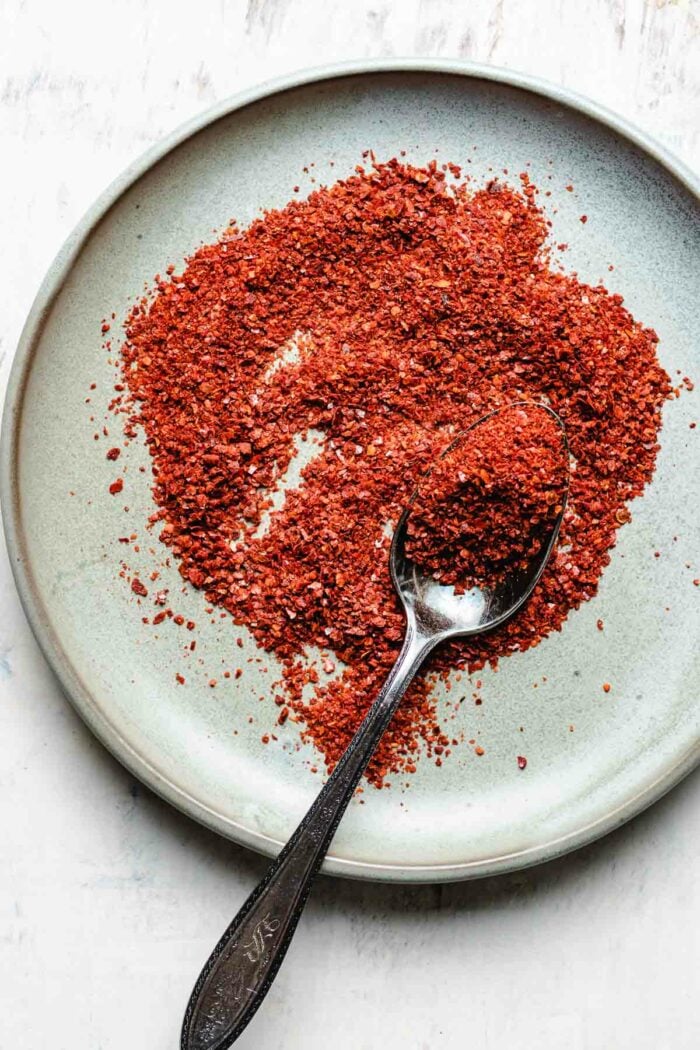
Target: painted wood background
(109,901)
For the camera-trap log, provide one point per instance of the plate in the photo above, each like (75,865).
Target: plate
(594,758)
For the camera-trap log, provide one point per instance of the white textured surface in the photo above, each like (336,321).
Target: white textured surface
(109,901)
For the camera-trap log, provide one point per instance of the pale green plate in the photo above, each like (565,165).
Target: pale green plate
(474,815)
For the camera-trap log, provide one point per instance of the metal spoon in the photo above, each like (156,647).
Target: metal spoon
(244,963)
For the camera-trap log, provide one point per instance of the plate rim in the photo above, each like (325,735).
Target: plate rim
(138,764)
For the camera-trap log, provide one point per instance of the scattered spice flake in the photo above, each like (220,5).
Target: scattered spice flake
(321,276)
(584,219)
(606,687)
(116,487)
(212,683)
(600,624)
(138,587)
(522,762)
(478,750)
(114,453)
(179,678)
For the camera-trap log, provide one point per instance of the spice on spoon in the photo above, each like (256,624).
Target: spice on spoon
(358,332)
(481,514)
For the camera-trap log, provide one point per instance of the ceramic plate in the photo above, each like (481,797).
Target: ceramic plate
(472,816)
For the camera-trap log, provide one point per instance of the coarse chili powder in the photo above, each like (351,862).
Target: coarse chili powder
(377,318)
(488,504)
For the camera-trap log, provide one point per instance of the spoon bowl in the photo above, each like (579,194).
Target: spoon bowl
(437,609)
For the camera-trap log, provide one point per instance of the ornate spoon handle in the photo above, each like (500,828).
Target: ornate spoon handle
(244,963)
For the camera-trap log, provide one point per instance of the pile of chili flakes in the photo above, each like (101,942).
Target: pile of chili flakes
(490,503)
(371,323)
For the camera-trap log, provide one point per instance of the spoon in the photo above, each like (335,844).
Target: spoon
(244,963)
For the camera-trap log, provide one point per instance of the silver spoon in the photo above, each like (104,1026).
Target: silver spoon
(244,963)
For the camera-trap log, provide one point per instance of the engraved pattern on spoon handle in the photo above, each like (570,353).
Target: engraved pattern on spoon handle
(244,963)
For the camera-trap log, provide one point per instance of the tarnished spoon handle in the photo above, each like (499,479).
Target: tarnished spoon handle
(244,963)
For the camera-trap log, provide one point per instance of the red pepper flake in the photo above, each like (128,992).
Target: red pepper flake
(600,624)
(522,762)
(584,219)
(266,740)
(180,679)
(116,486)
(479,750)
(138,587)
(212,683)
(388,311)
(606,687)
(114,453)
(283,716)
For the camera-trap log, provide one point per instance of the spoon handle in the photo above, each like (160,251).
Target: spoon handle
(243,965)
